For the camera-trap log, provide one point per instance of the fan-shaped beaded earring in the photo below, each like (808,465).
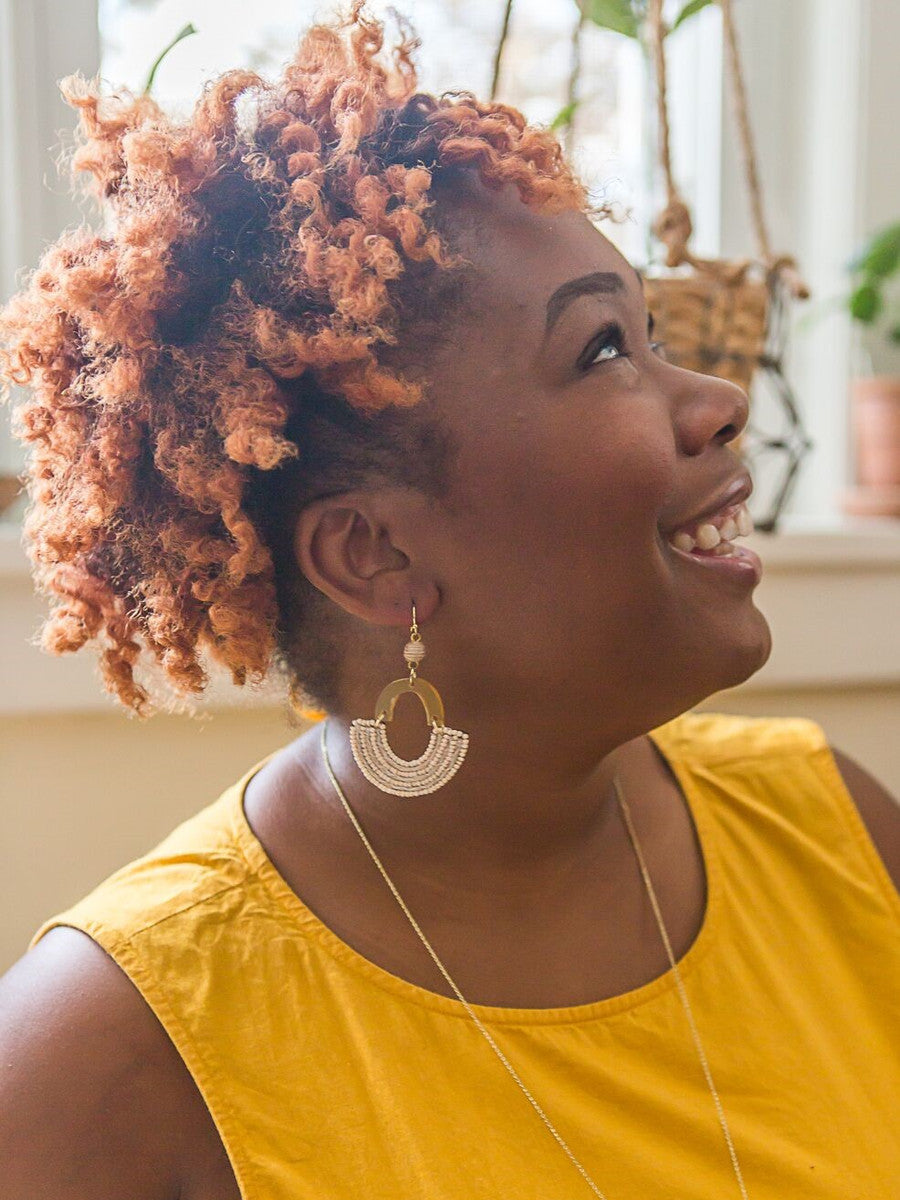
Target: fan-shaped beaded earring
(446,747)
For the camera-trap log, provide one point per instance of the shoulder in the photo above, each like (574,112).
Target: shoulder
(722,737)
(96,1100)
(193,867)
(767,752)
(104,1101)
(879,810)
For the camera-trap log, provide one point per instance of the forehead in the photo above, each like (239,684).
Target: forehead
(526,265)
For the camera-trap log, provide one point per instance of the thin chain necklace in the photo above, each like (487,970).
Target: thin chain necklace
(486,1034)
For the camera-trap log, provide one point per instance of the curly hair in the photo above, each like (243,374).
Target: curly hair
(208,360)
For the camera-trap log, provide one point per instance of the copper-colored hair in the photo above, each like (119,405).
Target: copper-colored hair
(250,263)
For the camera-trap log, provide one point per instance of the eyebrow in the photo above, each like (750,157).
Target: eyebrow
(598,282)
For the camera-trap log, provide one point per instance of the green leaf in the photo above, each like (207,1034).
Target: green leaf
(694,6)
(866,303)
(894,335)
(618,15)
(880,255)
(883,253)
(179,37)
(564,117)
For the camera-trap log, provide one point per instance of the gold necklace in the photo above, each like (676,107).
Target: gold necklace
(476,1020)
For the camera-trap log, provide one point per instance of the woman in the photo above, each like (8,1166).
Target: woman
(353,369)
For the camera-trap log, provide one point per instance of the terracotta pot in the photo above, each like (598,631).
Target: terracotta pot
(876,428)
(875,412)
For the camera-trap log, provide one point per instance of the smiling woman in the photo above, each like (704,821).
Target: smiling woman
(349,366)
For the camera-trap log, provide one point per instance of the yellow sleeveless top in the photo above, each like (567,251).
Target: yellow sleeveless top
(331,1079)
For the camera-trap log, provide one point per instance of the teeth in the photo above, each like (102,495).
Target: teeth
(708,537)
(715,537)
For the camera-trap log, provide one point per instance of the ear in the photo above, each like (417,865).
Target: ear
(349,547)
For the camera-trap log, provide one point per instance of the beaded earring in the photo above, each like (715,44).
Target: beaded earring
(446,747)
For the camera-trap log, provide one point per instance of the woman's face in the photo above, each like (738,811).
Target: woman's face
(580,450)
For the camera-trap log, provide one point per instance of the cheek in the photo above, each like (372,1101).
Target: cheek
(572,503)
(599,481)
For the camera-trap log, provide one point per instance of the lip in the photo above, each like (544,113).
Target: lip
(743,566)
(736,492)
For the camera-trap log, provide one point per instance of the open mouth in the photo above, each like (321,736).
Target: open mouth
(714,537)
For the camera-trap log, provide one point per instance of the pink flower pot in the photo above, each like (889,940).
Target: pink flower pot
(875,413)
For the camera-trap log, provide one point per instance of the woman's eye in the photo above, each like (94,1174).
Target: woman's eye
(608,345)
(607,351)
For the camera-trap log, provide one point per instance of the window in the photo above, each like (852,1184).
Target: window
(613,131)
(610,134)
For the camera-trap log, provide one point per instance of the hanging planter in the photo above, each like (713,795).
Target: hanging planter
(718,316)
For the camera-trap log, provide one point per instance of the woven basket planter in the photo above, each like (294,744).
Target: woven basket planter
(709,325)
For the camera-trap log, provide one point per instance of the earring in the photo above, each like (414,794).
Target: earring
(446,747)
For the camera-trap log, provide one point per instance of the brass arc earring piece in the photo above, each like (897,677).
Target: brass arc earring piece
(446,747)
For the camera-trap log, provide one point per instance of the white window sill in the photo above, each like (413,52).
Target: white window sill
(830,591)
(831,594)
(841,545)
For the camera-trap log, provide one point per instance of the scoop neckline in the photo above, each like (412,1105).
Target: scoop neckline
(287,900)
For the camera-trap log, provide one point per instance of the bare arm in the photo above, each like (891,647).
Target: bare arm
(878,808)
(96,1104)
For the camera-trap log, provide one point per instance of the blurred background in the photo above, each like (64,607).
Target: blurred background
(83,787)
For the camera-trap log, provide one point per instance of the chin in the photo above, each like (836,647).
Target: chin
(747,654)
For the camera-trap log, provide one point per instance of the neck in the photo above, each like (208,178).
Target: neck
(526,794)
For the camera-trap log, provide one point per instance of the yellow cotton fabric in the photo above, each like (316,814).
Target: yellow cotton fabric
(330,1078)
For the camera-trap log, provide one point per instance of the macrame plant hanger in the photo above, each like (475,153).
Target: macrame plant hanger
(723,317)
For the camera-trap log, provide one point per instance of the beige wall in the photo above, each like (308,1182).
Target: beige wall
(84,793)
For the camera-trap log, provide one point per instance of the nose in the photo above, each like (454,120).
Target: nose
(706,409)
